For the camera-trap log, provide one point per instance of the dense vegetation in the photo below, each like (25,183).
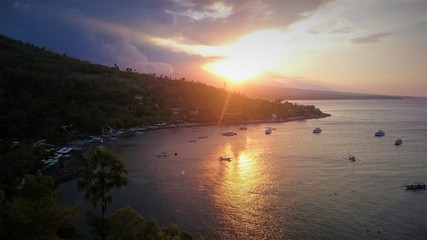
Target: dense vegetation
(33,211)
(42,91)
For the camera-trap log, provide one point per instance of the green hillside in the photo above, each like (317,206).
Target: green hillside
(42,92)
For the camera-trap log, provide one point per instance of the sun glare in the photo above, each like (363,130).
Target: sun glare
(246,59)
(249,57)
(236,69)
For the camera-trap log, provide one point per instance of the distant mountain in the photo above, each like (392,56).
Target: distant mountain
(274,92)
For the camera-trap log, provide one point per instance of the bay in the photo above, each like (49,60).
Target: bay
(291,184)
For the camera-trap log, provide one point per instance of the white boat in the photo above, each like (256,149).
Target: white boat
(64,150)
(162,154)
(398,142)
(268,131)
(379,133)
(225,158)
(317,130)
(229,133)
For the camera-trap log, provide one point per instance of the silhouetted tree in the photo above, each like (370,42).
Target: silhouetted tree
(105,172)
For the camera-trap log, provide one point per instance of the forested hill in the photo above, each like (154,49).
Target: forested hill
(45,94)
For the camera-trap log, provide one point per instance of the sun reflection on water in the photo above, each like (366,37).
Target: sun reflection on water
(240,190)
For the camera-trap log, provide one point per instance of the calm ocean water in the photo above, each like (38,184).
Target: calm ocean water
(292,184)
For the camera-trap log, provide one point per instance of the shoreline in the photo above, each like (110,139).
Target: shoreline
(70,168)
(323,115)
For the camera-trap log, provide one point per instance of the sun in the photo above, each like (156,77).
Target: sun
(249,57)
(235,69)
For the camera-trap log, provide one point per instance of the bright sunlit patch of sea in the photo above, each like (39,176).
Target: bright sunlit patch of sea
(292,184)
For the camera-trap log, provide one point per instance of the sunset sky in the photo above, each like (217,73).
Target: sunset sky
(366,46)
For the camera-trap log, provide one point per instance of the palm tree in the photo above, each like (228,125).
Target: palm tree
(105,172)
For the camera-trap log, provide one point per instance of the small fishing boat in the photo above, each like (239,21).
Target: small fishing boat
(229,133)
(268,131)
(317,130)
(379,133)
(415,186)
(351,158)
(162,154)
(398,142)
(225,158)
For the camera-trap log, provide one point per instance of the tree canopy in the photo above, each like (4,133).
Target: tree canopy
(33,213)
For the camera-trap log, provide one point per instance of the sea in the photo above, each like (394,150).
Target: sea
(290,184)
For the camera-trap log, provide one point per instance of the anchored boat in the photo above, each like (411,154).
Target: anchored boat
(351,158)
(415,186)
(229,133)
(317,130)
(225,158)
(379,133)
